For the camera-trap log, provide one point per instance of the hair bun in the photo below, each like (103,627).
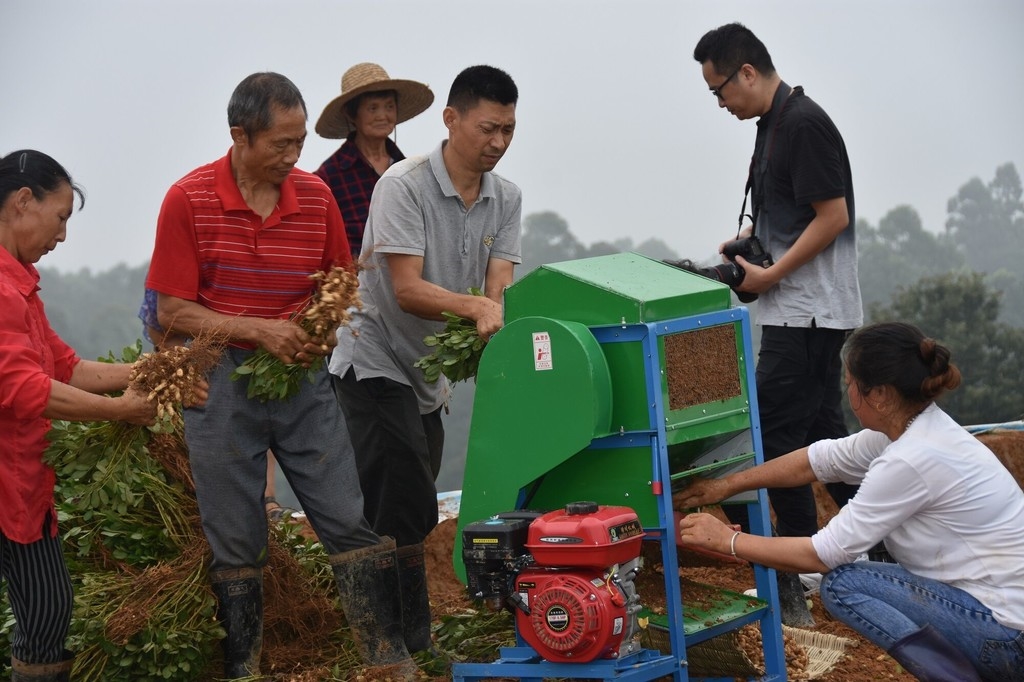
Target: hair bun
(943,375)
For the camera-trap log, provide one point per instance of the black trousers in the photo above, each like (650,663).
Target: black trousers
(39,587)
(398,455)
(799,396)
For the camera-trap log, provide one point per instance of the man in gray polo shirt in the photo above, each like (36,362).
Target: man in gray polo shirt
(438,225)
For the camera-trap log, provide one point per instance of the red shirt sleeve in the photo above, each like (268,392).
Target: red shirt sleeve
(174,268)
(25,389)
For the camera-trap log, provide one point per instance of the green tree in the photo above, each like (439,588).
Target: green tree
(961,311)
(655,248)
(602,248)
(546,239)
(1011,286)
(95,312)
(987,221)
(898,253)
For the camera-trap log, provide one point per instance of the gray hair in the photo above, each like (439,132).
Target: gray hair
(251,103)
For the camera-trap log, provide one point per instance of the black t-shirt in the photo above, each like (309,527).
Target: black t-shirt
(799,158)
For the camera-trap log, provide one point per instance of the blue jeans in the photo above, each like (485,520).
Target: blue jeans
(885,602)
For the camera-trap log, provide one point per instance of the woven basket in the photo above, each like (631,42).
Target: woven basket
(716,657)
(823,650)
(722,656)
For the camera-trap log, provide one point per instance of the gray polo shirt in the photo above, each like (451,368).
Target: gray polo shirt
(415,210)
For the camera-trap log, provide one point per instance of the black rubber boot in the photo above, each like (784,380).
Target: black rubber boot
(371,599)
(239,595)
(930,657)
(412,578)
(42,672)
(793,602)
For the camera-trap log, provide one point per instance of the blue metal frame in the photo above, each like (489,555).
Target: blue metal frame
(524,663)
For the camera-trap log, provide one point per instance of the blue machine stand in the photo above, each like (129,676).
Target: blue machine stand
(522,662)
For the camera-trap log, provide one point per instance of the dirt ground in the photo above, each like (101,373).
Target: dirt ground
(861,663)
(299,616)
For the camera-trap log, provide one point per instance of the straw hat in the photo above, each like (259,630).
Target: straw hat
(413,98)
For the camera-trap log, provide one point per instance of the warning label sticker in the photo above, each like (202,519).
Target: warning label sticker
(541,351)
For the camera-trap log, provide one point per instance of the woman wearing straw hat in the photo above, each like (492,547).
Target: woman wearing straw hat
(366,112)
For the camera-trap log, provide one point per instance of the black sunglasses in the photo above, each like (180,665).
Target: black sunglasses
(717,92)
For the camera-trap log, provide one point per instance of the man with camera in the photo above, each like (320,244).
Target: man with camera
(801,191)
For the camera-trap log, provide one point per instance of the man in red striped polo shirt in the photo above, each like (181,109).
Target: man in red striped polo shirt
(237,240)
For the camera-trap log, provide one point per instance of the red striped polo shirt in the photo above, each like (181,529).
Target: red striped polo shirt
(213,249)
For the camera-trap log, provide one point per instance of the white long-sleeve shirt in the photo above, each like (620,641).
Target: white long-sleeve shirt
(946,508)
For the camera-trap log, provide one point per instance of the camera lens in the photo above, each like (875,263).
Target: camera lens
(729,274)
(726,273)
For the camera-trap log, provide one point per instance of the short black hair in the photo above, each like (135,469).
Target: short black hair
(731,46)
(251,105)
(37,171)
(482,82)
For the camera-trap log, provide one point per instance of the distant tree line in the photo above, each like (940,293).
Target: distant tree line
(548,239)
(963,285)
(97,313)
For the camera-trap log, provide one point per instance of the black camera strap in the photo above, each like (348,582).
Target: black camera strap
(743,208)
(755,210)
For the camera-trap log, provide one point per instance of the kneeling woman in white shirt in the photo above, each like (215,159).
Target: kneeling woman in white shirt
(948,511)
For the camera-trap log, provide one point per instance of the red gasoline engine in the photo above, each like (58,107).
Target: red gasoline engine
(568,576)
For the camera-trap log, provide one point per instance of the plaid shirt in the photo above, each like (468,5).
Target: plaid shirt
(352,179)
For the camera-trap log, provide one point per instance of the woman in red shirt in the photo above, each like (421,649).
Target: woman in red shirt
(41,378)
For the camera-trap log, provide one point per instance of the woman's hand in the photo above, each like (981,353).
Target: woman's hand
(707,532)
(794,554)
(701,491)
(134,408)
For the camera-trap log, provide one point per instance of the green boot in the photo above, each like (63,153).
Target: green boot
(930,657)
(239,595)
(371,599)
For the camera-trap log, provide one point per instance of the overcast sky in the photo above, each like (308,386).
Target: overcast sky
(616,132)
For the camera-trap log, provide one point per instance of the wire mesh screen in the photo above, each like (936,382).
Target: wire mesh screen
(701,366)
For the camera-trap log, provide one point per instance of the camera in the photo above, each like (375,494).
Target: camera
(731,274)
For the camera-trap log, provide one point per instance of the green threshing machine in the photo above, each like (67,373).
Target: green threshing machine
(614,380)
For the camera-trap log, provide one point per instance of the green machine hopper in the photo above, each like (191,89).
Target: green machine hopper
(615,379)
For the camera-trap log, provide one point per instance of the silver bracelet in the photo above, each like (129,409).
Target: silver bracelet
(732,543)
